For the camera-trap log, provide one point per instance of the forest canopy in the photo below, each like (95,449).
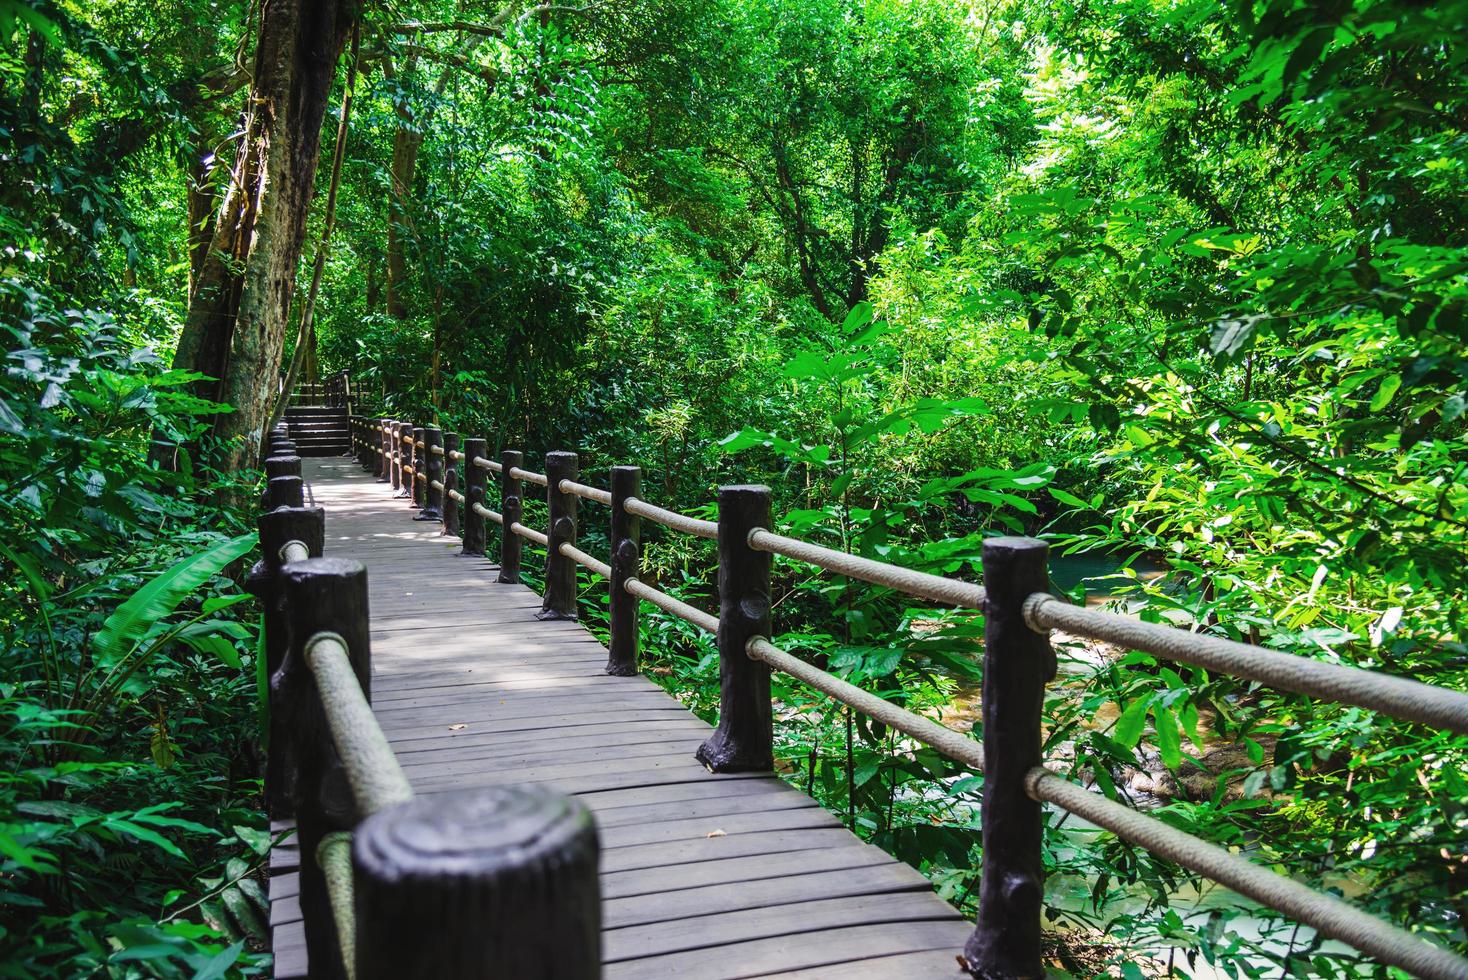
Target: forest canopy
(1179,285)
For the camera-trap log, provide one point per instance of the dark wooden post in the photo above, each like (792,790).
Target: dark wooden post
(512,508)
(474,484)
(626,549)
(450,482)
(282,466)
(366,454)
(1017,663)
(432,463)
(744,739)
(384,460)
(493,882)
(560,572)
(285,491)
(283,447)
(321,595)
(278,466)
(308,526)
(416,485)
(395,444)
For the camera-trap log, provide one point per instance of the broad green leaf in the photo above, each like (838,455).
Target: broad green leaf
(1130,723)
(162,595)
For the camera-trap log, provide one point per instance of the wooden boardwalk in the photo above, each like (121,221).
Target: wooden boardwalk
(702,875)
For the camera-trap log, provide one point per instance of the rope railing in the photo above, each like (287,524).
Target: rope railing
(704,621)
(436,484)
(1018,661)
(672,519)
(582,558)
(920,584)
(334,856)
(539,479)
(530,534)
(955,745)
(1396,696)
(373,773)
(436,450)
(585,492)
(1328,915)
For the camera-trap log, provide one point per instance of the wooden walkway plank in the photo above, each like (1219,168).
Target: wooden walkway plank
(703,875)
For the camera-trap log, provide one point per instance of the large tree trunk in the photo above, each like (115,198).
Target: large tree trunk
(235,329)
(405,145)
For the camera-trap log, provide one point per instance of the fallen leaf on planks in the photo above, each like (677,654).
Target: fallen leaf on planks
(455,728)
(716,833)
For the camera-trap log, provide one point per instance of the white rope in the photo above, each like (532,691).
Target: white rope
(530,534)
(294,551)
(673,519)
(1395,696)
(456,496)
(485,463)
(589,493)
(935,587)
(455,455)
(435,484)
(665,602)
(436,450)
(1328,915)
(529,477)
(955,745)
(582,558)
(373,772)
(484,511)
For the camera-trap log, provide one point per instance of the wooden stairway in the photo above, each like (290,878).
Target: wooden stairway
(319,430)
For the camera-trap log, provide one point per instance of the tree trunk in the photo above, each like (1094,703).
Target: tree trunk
(406,141)
(235,329)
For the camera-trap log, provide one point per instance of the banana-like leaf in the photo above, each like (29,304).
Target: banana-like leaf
(161,596)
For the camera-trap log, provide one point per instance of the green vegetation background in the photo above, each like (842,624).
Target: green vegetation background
(1175,281)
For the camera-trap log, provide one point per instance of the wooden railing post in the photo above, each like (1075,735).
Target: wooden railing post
(395,438)
(321,595)
(474,485)
(448,504)
(493,882)
(416,485)
(1017,663)
(384,460)
(432,462)
(744,739)
(278,466)
(285,491)
(626,550)
(560,572)
(512,508)
(308,526)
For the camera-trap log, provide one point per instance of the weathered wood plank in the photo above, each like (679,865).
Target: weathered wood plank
(814,917)
(782,954)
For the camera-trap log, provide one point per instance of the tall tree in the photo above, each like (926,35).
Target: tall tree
(235,329)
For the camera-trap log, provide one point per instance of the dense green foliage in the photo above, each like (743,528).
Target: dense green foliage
(1182,285)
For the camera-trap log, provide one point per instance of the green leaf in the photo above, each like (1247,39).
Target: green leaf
(162,595)
(1385,392)
(1129,723)
(1169,741)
